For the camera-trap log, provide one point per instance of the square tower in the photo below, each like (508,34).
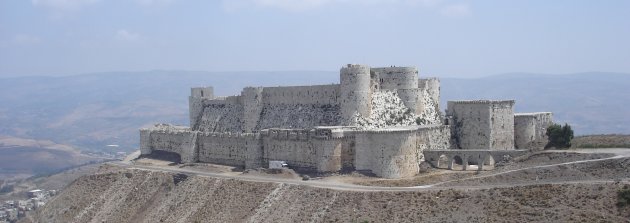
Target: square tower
(482,125)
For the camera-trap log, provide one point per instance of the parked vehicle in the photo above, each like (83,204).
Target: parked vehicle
(278,164)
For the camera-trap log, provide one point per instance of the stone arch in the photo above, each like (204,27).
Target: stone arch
(487,163)
(442,161)
(472,161)
(456,160)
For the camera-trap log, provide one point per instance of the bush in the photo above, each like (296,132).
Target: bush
(623,197)
(559,136)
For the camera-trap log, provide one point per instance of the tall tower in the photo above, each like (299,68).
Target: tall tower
(252,107)
(195,104)
(403,80)
(355,93)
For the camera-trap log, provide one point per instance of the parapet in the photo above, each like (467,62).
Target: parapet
(396,70)
(167,128)
(355,68)
(488,102)
(532,114)
(202,92)
(396,77)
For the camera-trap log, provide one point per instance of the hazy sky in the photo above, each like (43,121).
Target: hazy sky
(462,38)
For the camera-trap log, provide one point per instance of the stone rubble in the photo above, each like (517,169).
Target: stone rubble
(389,111)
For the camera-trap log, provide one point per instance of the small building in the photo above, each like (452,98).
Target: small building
(36,193)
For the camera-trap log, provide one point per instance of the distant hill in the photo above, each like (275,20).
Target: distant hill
(20,158)
(95,110)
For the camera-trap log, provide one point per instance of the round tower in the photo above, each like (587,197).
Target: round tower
(355,93)
(396,78)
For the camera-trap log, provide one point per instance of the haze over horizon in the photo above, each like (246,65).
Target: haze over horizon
(444,38)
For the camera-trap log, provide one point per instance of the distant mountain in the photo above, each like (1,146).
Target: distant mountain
(95,110)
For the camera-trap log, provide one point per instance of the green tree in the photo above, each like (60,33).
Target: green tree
(559,136)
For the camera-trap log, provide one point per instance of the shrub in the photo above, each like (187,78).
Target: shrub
(559,136)
(623,197)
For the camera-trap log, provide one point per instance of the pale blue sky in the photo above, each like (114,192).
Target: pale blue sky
(447,38)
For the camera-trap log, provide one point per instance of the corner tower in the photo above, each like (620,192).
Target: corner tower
(195,103)
(355,93)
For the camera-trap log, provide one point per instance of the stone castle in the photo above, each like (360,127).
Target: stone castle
(385,121)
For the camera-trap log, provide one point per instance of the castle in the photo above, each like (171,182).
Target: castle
(385,121)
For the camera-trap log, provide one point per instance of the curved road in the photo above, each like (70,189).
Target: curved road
(620,154)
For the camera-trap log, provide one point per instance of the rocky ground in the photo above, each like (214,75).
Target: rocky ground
(52,182)
(526,193)
(122,195)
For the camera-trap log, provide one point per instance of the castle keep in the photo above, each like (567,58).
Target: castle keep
(378,120)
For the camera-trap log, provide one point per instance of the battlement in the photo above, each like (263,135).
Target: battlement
(532,114)
(202,92)
(222,100)
(167,128)
(356,66)
(393,70)
(495,102)
(230,135)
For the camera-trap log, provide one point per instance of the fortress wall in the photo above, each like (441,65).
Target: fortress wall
(301,95)
(530,130)
(223,114)
(482,124)
(291,146)
(166,141)
(183,143)
(254,152)
(524,131)
(348,152)
(299,116)
(412,98)
(252,98)
(432,88)
(388,154)
(328,153)
(145,142)
(435,137)
(296,107)
(195,110)
(393,78)
(471,125)
(502,125)
(225,149)
(195,104)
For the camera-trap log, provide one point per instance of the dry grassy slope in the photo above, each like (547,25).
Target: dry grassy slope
(601,141)
(54,182)
(144,196)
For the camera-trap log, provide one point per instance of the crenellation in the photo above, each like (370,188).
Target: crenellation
(378,120)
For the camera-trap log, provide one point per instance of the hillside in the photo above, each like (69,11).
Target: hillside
(124,195)
(21,158)
(95,110)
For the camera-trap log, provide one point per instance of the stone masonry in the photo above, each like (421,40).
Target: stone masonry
(378,120)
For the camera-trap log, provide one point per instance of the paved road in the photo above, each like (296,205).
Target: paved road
(619,154)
